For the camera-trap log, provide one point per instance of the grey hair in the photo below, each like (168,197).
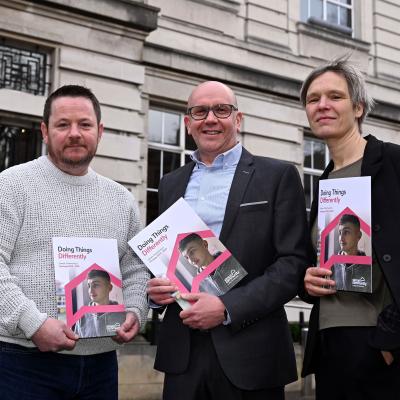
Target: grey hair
(355,82)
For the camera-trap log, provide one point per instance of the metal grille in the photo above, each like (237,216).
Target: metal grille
(18,144)
(24,70)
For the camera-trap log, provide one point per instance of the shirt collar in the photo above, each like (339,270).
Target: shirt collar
(229,158)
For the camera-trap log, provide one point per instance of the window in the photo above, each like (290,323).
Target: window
(19,143)
(24,67)
(169,148)
(336,14)
(316,158)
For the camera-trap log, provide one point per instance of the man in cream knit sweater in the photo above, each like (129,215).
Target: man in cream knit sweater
(59,195)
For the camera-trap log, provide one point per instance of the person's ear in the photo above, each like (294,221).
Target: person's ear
(187,121)
(238,121)
(100,132)
(45,132)
(359,108)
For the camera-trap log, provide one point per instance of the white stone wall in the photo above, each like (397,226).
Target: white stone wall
(206,39)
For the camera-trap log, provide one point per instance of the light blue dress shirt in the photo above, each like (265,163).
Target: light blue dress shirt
(208,188)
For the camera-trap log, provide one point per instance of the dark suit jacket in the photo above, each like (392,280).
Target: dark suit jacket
(381,161)
(269,240)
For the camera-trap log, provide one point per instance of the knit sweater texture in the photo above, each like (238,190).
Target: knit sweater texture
(38,202)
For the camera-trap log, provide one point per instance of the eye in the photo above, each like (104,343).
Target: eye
(312,100)
(221,108)
(199,111)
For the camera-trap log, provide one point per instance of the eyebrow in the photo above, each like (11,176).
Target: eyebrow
(333,91)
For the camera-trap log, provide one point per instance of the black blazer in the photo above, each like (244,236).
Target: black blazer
(381,161)
(269,240)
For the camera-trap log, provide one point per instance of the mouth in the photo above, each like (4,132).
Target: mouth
(211,132)
(325,118)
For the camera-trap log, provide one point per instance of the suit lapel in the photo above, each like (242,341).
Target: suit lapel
(241,179)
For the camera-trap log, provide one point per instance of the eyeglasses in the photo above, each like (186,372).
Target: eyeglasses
(219,110)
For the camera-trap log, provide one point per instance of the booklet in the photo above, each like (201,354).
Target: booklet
(180,246)
(344,231)
(88,285)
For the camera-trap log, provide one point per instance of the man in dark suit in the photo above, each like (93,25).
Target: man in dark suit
(237,345)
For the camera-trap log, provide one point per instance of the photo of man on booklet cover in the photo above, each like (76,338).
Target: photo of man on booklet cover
(351,276)
(98,324)
(196,251)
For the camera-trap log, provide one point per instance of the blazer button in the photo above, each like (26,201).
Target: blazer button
(377,227)
(387,257)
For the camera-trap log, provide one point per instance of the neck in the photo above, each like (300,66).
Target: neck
(207,262)
(76,170)
(351,252)
(208,157)
(346,150)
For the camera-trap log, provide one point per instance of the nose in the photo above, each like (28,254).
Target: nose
(211,118)
(323,102)
(74,131)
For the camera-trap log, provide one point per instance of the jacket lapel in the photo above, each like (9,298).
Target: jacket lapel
(373,157)
(241,179)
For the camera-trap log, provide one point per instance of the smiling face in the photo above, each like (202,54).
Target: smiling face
(330,111)
(213,135)
(349,236)
(72,134)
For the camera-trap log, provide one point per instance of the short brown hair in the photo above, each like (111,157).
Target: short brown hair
(71,91)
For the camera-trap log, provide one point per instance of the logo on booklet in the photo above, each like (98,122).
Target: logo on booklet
(112,327)
(359,282)
(232,276)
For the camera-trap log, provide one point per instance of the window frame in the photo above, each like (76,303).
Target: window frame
(309,18)
(24,123)
(46,70)
(180,149)
(310,171)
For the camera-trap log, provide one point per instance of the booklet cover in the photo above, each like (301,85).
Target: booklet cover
(179,245)
(344,227)
(88,285)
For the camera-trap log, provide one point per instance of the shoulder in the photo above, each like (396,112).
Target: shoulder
(388,147)
(273,164)
(266,164)
(278,172)
(393,149)
(19,177)
(115,193)
(20,170)
(115,187)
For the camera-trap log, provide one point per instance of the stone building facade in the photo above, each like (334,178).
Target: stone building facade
(143,57)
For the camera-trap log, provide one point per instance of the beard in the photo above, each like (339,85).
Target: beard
(73,162)
(60,157)
(79,162)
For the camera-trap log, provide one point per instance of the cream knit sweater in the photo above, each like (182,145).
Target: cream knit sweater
(37,202)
